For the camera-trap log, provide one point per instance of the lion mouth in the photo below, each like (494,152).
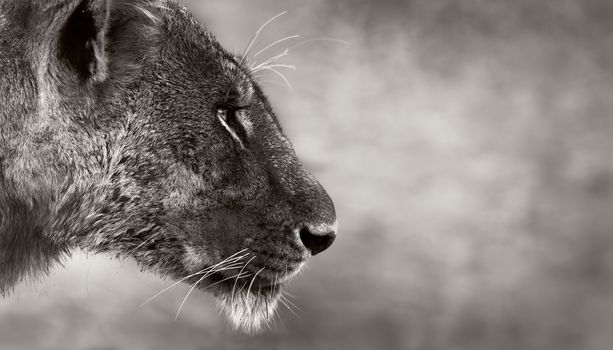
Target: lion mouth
(248,285)
(242,282)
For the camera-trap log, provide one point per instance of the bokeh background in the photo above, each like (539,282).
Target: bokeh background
(468,146)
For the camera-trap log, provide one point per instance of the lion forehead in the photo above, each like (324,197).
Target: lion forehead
(241,80)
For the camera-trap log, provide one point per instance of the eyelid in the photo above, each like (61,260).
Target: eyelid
(235,107)
(222,115)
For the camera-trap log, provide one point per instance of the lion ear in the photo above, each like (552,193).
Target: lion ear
(81,45)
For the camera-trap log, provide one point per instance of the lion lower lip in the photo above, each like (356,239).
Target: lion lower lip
(227,283)
(264,282)
(271,285)
(263,277)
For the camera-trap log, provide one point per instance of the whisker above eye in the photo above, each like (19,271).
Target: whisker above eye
(333,40)
(289,66)
(257,34)
(280,75)
(276,43)
(256,67)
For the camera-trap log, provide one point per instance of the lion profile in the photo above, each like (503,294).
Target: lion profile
(126,128)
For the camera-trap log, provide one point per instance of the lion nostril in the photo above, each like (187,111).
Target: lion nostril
(316,243)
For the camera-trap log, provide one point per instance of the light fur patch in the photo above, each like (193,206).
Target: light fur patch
(194,260)
(156,17)
(249,312)
(183,184)
(323,229)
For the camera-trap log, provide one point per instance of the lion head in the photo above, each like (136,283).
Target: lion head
(137,134)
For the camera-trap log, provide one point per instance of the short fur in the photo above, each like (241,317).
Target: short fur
(111,141)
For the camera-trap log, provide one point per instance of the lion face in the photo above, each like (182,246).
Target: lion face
(127,129)
(203,185)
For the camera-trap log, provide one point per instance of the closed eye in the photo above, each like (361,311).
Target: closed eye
(229,119)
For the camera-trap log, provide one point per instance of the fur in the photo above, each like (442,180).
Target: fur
(126,128)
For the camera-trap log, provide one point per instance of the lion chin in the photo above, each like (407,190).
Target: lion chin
(249,312)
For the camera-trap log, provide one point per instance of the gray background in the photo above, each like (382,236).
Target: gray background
(467,145)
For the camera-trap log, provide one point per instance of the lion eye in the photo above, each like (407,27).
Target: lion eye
(229,120)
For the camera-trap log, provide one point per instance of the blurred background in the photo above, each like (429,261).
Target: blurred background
(467,145)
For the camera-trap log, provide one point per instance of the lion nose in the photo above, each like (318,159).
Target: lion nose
(318,239)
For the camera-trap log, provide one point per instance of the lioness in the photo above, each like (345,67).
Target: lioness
(126,128)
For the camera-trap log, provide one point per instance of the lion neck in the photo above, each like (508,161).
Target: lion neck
(25,251)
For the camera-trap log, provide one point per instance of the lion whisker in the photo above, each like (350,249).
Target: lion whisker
(257,34)
(276,315)
(338,41)
(201,279)
(253,279)
(290,306)
(256,67)
(235,282)
(228,278)
(230,261)
(268,318)
(172,285)
(204,271)
(280,75)
(188,293)
(294,305)
(290,37)
(288,294)
(289,66)
(194,274)
(283,300)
